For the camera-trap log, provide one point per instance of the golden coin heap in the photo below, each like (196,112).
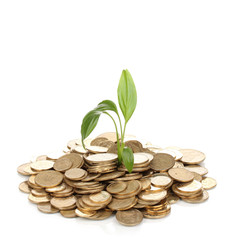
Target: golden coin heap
(88,183)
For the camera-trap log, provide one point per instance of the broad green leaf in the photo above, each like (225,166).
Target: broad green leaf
(89,122)
(128,158)
(107,105)
(127,95)
(91,118)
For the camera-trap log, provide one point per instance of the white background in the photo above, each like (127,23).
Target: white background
(58,59)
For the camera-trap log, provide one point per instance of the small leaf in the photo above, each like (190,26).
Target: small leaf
(127,95)
(128,158)
(91,118)
(89,122)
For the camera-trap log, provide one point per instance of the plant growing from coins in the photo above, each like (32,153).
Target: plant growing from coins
(127,99)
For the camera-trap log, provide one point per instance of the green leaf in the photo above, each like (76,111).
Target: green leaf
(91,118)
(127,95)
(128,158)
(89,122)
(107,105)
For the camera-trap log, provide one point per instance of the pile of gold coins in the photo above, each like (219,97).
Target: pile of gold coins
(88,183)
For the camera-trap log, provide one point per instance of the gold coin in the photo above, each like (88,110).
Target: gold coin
(41,158)
(62,164)
(25,169)
(129,178)
(72,144)
(48,179)
(100,197)
(42,165)
(181,174)
(116,187)
(130,217)
(199,199)
(178,164)
(208,183)
(75,158)
(84,214)
(112,136)
(132,186)
(68,213)
(149,195)
(197,177)
(110,176)
(193,186)
(101,215)
(162,162)
(145,183)
(61,203)
(75,173)
(191,156)
(140,158)
(58,188)
(160,180)
(97,141)
(47,208)
(24,187)
(80,149)
(97,149)
(122,204)
(197,169)
(101,157)
(106,143)
(35,199)
(90,177)
(39,193)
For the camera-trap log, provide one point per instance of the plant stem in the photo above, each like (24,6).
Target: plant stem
(119,152)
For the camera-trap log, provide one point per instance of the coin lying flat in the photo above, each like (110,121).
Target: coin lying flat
(84,214)
(24,187)
(199,199)
(39,193)
(97,149)
(75,173)
(75,158)
(42,165)
(122,204)
(116,187)
(208,183)
(190,187)
(62,164)
(162,162)
(181,174)
(191,156)
(97,141)
(197,169)
(160,180)
(61,203)
(100,197)
(130,217)
(25,169)
(48,178)
(58,188)
(47,208)
(150,195)
(110,176)
(35,199)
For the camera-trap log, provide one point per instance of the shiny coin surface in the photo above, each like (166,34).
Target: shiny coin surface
(61,203)
(208,183)
(68,213)
(191,156)
(160,180)
(145,183)
(84,214)
(39,193)
(110,176)
(75,158)
(100,197)
(48,178)
(140,158)
(162,162)
(62,164)
(197,169)
(193,186)
(80,149)
(150,195)
(101,157)
(116,187)
(172,198)
(58,188)
(47,208)
(24,187)
(75,173)
(42,165)
(122,204)
(97,141)
(181,174)
(130,217)
(97,149)
(132,187)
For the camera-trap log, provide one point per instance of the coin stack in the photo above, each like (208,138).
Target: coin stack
(89,183)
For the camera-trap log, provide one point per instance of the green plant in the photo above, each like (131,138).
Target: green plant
(127,99)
